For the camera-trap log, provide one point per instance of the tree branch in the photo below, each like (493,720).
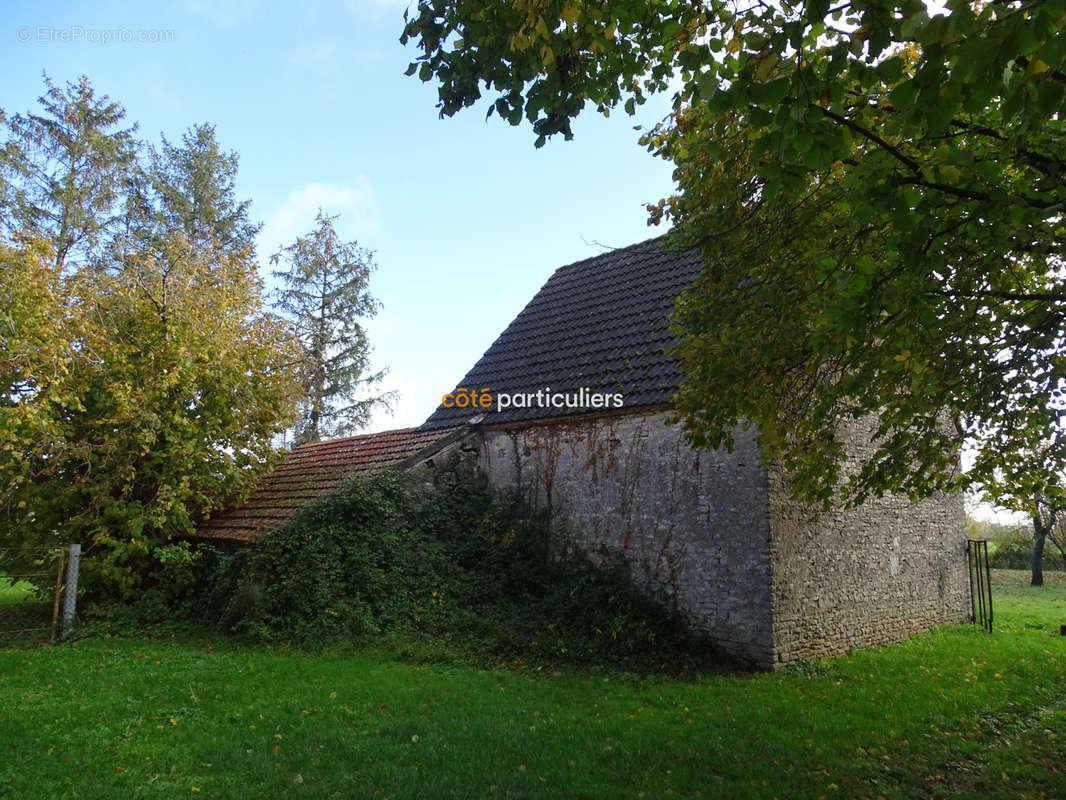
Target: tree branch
(894,151)
(1044,297)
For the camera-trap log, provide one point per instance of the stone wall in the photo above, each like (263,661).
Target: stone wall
(870,575)
(695,529)
(693,526)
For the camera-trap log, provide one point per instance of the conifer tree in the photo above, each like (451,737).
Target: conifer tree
(324,292)
(196,185)
(64,170)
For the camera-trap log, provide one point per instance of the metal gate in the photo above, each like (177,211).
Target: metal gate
(980,583)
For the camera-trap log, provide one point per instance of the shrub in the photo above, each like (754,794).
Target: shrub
(1012,548)
(451,560)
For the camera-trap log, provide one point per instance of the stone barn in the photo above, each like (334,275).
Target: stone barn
(578,389)
(569,405)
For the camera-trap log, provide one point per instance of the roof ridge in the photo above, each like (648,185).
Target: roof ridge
(325,442)
(602,319)
(610,252)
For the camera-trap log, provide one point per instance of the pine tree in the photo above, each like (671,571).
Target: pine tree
(64,170)
(324,293)
(189,190)
(196,187)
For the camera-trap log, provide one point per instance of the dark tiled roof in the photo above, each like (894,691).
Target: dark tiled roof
(311,470)
(601,323)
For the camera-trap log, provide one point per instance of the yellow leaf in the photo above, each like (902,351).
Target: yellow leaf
(766,66)
(1035,67)
(951,173)
(546,55)
(570,14)
(735,44)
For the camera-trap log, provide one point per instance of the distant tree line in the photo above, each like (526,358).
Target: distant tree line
(1015,546)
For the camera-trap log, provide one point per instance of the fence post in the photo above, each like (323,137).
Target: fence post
(70,596)
(58,591)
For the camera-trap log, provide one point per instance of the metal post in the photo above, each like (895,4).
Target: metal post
(970,556)
(70,596)
(980,571)
(988,581)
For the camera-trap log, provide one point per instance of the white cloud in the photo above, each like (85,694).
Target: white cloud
(296,215)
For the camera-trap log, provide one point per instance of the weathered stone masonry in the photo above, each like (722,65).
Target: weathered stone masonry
(875,574)
(717,536)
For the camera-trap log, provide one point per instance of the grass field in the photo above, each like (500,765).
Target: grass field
(953,713)
(14,591)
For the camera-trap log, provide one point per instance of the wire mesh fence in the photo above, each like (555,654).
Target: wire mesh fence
(33,596)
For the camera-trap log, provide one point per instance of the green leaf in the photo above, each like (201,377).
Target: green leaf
(772,93)
(902,97)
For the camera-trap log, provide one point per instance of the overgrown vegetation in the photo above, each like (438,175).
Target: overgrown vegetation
(452,564)
(1011,546)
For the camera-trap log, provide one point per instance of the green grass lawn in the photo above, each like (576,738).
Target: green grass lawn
(953,713)
(12,591)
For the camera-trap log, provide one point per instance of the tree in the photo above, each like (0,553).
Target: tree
(1044,504)
(1048,516)
(1057,536)
(324,292)
(188,189)
(877,188)
(142,380)
(1044,520)
(64,170)
(35,352)
(196,185)
(159,398)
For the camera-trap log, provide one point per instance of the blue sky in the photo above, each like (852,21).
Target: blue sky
(466,217)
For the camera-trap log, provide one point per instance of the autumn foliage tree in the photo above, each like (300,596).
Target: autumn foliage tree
(142,379)
(878,188)
(153,400)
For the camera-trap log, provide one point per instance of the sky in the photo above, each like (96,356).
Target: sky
(465,217)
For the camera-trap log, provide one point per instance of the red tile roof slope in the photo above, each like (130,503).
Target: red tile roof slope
(309,471)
